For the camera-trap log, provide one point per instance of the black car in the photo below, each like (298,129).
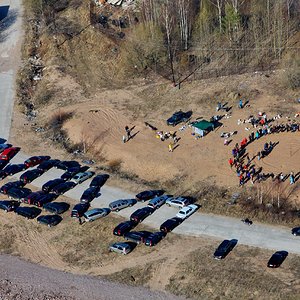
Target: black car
(29,199)
(66,164)
(90,194)
(49,220)
(223,249)
(137,236)
(30,175)
(146,195)
(49,185)
(140,214)
(277,259)
(14,169)
(154,238)
(99,180)
(73,171)
(56,207)
(28,212)
(3,163)
(63,187)
(79,209)
(170,224)
(43,199)
(9,185)
(48,164)
(123,227)
(9,205)
(296,231)
(18,193)
(179,117)
(3,174)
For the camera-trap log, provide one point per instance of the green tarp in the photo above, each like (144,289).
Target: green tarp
(204,125)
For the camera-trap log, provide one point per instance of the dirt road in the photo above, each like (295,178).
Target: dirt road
(23,280)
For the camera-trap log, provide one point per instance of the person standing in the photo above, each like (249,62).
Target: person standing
(124,139)
(231,162)
(292,178)
(170,147)
(241,104)
(128,133)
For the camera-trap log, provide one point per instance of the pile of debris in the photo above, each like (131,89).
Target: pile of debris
(120,3)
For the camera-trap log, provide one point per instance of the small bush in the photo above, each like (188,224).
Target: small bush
(115,164)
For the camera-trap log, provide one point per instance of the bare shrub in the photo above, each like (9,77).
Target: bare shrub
(115,164)
(58,118)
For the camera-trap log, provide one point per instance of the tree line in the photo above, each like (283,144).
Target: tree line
(176,37)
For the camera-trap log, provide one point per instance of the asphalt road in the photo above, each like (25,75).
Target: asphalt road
(199,224)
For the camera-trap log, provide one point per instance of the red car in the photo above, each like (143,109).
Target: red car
(9,153)
(35,160)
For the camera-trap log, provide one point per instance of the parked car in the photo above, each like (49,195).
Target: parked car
(223,249)
(56,207)
(170,224)
(63,187)
(49,220)
(154,238)
(137,236)
(28,212)
(66,164)
(49,185)
(187,211)
(123,248)
(140,214)
(82,176)
(277,259)
(73,171)
(13,169)
(179,202)
(158,201)
(4,188)
(35,160)
(179,117)
(79,209)
(18,193)
(30,175)
(29,199)
(122,203)
(44,199)
(99,180)
(123,227)
(9,205)
(95,213)
(296,231)
(48,164)
(146,195)
(90,194)
(3,163)
(4,146)
(9,153)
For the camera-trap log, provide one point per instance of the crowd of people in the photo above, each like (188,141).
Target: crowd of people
(240,159)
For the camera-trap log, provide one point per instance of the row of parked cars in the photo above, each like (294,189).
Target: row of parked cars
(156,200)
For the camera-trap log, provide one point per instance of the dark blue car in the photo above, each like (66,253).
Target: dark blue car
(179,117)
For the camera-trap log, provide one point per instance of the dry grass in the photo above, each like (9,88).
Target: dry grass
(241,275)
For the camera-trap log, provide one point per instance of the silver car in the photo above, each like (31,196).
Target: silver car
(122,203)
(159,201)
(123,248)
(178,202)
(82,176)
(95,213)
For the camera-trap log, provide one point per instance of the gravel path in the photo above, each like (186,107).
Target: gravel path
(21,280)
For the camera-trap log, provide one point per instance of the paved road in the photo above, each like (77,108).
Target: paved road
(269,237)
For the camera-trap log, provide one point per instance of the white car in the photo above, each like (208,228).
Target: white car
(82,176)
(187,211)
(179,202)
